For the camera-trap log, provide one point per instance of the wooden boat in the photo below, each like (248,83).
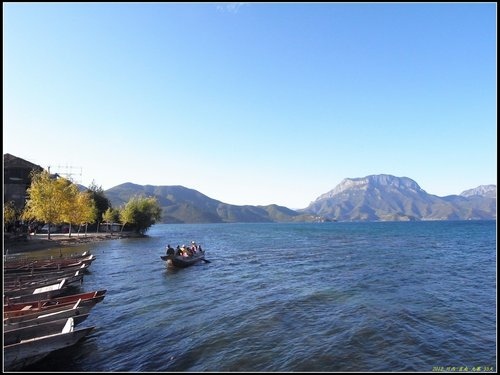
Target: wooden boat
(15,290)
(37,291)
(23,277)
(15,335)
(78,318)
(45,265)
(44,273)
(15,263)
(36,262)
(31,319)
(83,307)
(25,352)
(80,255)
(184,261)
(19,258)
(97,295)
(32,309)
(75,277)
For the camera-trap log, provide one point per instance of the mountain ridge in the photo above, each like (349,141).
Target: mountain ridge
(389,198)
(184,205)
(380,197)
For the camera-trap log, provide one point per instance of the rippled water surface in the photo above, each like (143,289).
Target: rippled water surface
(293,297)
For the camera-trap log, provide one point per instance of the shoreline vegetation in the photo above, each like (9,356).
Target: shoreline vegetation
(36,242)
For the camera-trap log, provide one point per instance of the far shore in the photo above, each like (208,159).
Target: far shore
(41,242)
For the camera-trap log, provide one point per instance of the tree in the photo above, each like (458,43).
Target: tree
(81,207)
(9,215)
(142,212)
(45,199)
(57,200)
(102,203)
(111,215)
(68,195)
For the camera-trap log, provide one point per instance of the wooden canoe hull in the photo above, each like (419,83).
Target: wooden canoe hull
(19,321)
(97,296)
(77,318)
(52,265)
(40,275)
(84,307)
(16,335)
(75,277)
(46,273)
(51,308)
(20,355)
(36,289)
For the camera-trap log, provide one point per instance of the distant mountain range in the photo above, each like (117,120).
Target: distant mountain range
(183,205)
(389,198)
(372,198)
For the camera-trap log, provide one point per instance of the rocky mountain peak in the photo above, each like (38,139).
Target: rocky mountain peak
(489,191)
(389,198)
(383,181)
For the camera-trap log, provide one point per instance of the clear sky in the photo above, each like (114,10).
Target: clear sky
(253,103)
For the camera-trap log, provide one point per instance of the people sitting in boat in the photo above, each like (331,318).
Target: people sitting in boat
(194,247)
(184,251)
(178,251)
(170,250)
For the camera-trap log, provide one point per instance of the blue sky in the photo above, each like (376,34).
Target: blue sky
(253,103)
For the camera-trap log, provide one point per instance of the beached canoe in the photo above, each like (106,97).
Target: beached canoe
(96,295)
(39,317)
(26,352)
(37,292)
(19,334)
(77,317)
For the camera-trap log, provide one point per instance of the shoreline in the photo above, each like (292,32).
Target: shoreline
(41,242)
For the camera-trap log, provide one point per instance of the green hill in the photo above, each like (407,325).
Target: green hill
(182,205)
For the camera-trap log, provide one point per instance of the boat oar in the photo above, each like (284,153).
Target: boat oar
(206,261)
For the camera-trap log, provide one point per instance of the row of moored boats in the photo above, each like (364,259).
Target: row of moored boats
(44,306)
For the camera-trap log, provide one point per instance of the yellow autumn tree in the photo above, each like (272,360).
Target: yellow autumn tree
(69,194)
(9,215)
(78,207)
(57,200)
(110,216)
(86,210)
(45,199)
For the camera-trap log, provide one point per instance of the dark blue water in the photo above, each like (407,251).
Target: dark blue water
(416,296)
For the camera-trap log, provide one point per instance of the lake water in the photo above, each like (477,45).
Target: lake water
(330,297)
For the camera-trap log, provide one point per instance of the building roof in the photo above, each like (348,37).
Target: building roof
(11,161)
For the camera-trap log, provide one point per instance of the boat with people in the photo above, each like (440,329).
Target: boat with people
(184,256)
